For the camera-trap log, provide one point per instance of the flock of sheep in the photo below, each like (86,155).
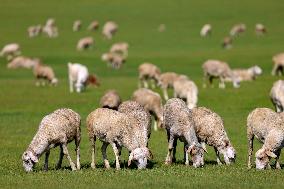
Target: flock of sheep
(128,124)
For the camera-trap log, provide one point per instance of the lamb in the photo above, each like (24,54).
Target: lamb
(77,25)
(179,124)
(277,95)
(45,73)
(209,128)
(152,102)
(109,29)
(56,129)
(218,69)
(260,29)
(85,43)
(187,90)
(118,129)
(94,25)
(247,74)
(237,29)
(79,77)
(34,31)
(22,62)
(113,60)
(278,61)
(10,50)
(268,127)
(227,42)
(111,100)
(148,72)
(121,47)
(206,30)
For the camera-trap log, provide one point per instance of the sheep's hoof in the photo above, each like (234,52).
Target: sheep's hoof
(168,162)
(278,166)
(93,166)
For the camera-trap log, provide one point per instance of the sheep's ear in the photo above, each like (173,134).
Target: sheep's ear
(203,146)
(130,159)
(270,154)
(226,143)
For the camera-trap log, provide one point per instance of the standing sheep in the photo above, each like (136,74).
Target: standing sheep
(118,130)
(50,28)
(94,25)
(109,29)
(121,47)
(260,29)
(113,60)
(152,102)
(56,129)
(206,30)
(237,29)
(179,124)
(209,128)
(111,100)
(227,42)
(34,31)
(268,127)
(278,64)
(148,72)
(45,73)
(22,62)
(85,43)
(77,25)
(277,95)
(10,50)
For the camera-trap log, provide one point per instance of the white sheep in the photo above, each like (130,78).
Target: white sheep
(268,127)
(56,129)
(277,95)
(119,130)
(44,73)
(227,42)
(206,30)
(162,28)
(22,62)
(34,31)
(94,25)
(113,60)
(278,64)
(246,74)
(85,43)
(10,50)
(260,29)
(209,128)
(50,28)
(237,29)
(111,100)
(121,47)
(109,29)
(148,72)
(77,25)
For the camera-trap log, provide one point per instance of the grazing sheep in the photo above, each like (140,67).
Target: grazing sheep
(237,29)
(10,50)
(206,30)
(278,64)
(268,127)
(246,74)
(34,31)
(77,25)
(227,42)
(50,28)
(113,60)
(22,62)
(109,29)
(148,72)
(85,43)
(118,129)
(218,69)
(162,28)
(111,100)
(179,124)
(120,48)
(186,90)
(152,102)
(94,25)
(45,73)
(56,129)
(260,29)
(209,128)
(277,95)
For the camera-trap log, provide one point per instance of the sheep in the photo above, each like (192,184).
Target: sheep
(113,60)
(22,62)
(268,127)
(237,29)
(148,72)
(50,28)
(109,29)
(209,128)
(79,77)
(85,43)
(187,90)
(218,69)
(45,73)
(206,30)
(227,42)
(34,31)
(56,129)
(121,47)
(118,129)
(111,100)
(94,25)
(10,50)
(152,102)
(77,25)
(246,74)
(278,64)
(260,29)
(179,124)
(162,28)
(277,95)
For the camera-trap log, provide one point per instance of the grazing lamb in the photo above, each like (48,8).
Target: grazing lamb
(227,42)
(277,95)
(278,64)
(186,90)
(260,29)
(209,128)
(218,69)
(206,30)
(113,60)
(120,48)
(268,127)
(118,129)
(45,73)
(77,25)
(237,29)
(85,43)
(148,72)
(246,74)
(179,124)
(111,100)
(34,31)
(109,29)
(22,62)
(56,129)
(152,102)
(94,25)
(10,50)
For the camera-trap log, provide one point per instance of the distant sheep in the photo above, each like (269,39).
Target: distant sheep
(206,30)
(227,42)
(277,95)
(85,43)
(94,25)
(50,28)
(111,100)
(238,29)
(34,31)
(10,50)
(148,72)
(109,29)
(22,62)
(260,29)
(113,60)
(246,74)
(77,25)
(278,64)
(121,48)
(44,73)
(162,28)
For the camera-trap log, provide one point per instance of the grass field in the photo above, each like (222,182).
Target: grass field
(178,49)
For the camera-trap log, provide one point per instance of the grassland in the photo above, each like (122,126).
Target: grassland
(179,49)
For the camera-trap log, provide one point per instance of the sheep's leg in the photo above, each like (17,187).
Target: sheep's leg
(116,153)
(274,69)
(222,83)
(165,92)
(71,86)
(155,125)
(170,149)
(61,154)
(185,155)
(204,81)
(250,147)
(77,143)
(174,150)
(145,84)
(93,143)
(65,151)
(218,156)
(277,163)
(46,160)
(104,147)
(210,79)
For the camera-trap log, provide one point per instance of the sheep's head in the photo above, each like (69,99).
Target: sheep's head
(263,157)
(256,70)
(54,81)
(29,159)
(140,156)
(196,152)
(228,152)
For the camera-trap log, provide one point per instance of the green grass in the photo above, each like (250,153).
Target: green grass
(178,49)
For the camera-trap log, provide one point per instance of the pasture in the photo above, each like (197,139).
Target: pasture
(179,49)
